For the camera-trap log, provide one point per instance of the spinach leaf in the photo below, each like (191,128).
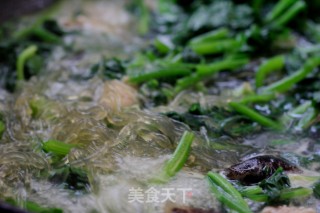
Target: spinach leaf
(316,190)
(34,207)
(45,36)
(273,185)
(112,68)
(71,177)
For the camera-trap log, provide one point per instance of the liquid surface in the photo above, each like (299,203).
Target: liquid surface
(119,143)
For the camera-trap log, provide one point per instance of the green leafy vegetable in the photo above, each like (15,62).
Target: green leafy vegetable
(221,14)
(226,193)
(180,155)
(253,115)
(173,70)
(44,30)
(155,93)
(273,185)
(2,128)
(299,117)
(211,36)
(72,178)
(163,44)
(275,189)
(140,9)
(109,68)
(178,158)
(316,190)
(287,83)
(257,98)
(219,46)
(22,58)
(294,193)
(40,37)
(278,9)
(289,14)
(57,147)
(34,207)
(272,64)
(203,71)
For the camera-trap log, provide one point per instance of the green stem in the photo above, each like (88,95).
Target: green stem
(252,190)
(178,159)
(288,194)
(46,36)
(214,35)
(162,44)
(290,116)
(180,155)
(253,115)
(278,9)
(45,14)
(206,70)
(287,16)
(288,82)
(2,128)
(223,183)
(144,18)
(257,197)
(226,193)
(36,208)
(187,82)
(32,207)
(220,46)
(165,72)
(257,98)
(255,193)
(273,64)
(57,147)
(22,58)
(227,64)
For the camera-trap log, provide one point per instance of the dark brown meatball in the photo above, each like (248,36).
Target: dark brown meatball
(258,168)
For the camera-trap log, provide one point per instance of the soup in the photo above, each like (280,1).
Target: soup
(167,106)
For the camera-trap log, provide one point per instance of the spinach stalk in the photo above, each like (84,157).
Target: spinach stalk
(287,83)
(206,70)
(57,147)
(46,35)
(255,116)
(227,64)
(278,9)
(305,112)
(170,70)
(33,207)
(179,157)
(144,17)
(288,194)
(272,64)
(219,46)
(226,193)
(256,193)
(257,98)
(2,128)
(288,15)
(211,36)
(22,58)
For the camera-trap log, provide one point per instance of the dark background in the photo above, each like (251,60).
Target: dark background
(14,8)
